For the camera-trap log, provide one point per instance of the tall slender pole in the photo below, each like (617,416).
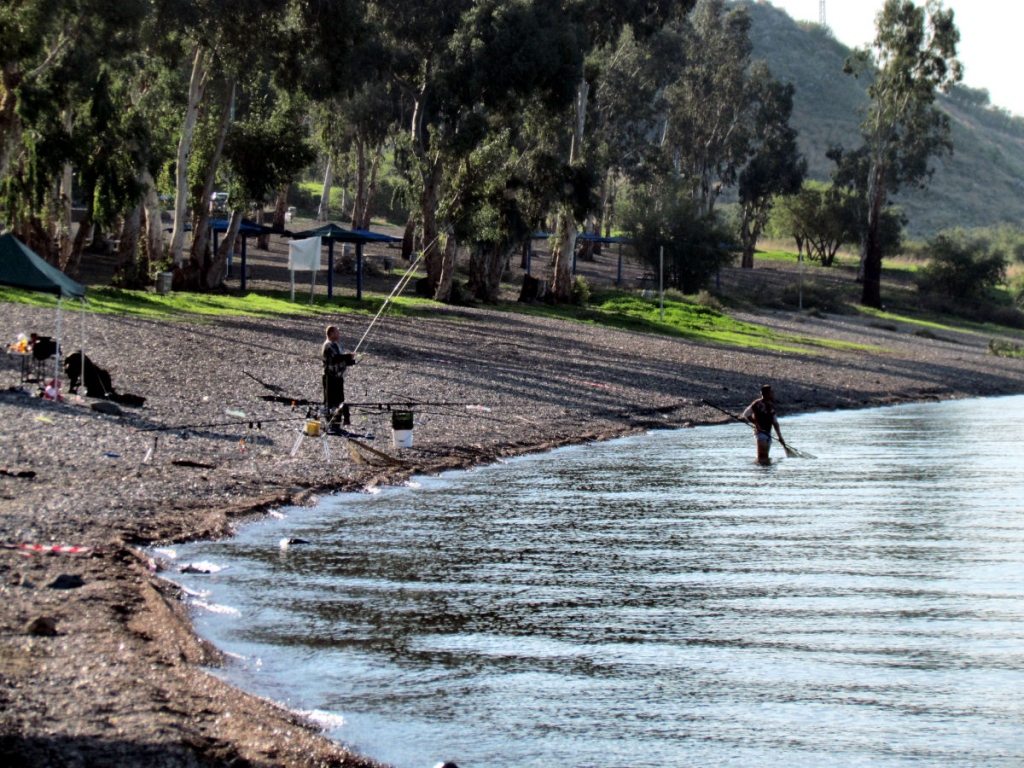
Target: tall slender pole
(661,280)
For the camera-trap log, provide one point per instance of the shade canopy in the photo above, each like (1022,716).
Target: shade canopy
(587,236)
(246,227)
(331,232)
(21,268)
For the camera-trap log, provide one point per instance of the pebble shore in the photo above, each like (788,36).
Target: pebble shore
(110,672)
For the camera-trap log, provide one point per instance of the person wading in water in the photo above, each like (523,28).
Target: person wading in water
(336,360)
(761,415)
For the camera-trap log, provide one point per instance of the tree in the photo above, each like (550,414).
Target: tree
(820,216)
(776,167)
(598,23)
(912,57)
(706,136)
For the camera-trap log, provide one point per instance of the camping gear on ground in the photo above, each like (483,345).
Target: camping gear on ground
(21,268)
(401,428)
(96,380)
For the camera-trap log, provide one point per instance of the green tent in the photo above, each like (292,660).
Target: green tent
(21,268)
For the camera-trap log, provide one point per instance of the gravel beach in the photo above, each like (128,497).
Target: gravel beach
(109,672)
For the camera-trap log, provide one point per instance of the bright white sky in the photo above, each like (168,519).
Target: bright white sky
(990,38)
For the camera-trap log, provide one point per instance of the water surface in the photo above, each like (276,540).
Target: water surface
(660,601)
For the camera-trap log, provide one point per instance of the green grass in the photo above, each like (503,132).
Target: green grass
(775,256)
(625,311)
(941,323)
(610,309)
(193,306)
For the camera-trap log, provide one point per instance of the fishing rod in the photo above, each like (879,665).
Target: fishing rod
(251,423)
(792,453)
(400,286)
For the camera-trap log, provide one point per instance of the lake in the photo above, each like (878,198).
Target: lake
(657,601)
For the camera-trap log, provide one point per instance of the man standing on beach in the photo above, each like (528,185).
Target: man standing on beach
(336,360)
(761,415)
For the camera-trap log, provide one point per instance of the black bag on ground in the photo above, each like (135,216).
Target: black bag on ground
(96,380)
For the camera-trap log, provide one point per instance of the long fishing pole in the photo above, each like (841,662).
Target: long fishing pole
(403,281)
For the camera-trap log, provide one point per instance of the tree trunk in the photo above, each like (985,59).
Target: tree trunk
(871,294)
(64,227)
(154,226)
(78,245)
(281,207)
(323,213)
(128,249)
(561,284)
(201,226)
(433,256)
(408,238)
(444,284)
(360,201)
(486,266)
(366,215)
(196,89)
(214,274)
(10,123)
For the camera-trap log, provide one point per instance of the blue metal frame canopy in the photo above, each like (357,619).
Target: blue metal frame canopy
(331,233)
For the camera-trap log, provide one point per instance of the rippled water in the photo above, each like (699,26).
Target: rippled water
(660,601)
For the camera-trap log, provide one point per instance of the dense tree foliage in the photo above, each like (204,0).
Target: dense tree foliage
(500,116)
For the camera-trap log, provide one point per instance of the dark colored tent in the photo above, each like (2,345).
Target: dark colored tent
(21,268)
(331,233)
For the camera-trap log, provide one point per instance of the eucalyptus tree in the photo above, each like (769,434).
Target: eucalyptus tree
(912,57)
(266,147)
(61,105)
(706,138)
(627,107)
(468,68)
(598,23)
(221,39)
(775,166)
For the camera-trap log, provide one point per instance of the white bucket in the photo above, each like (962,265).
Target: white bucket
(402,438)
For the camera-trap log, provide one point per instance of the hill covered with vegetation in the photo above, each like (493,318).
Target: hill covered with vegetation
(982,184)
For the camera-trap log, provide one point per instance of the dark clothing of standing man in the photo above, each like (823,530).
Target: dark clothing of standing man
(336,360)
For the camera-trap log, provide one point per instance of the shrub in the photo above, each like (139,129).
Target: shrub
(962,266)
(695,246)
(580,291)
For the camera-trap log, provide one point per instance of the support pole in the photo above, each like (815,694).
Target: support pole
(244,241)
(661,280)
(330,268)
(359,271)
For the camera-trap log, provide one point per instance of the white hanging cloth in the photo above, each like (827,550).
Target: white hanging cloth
(304,255)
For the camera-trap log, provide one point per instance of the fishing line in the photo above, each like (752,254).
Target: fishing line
(403,281)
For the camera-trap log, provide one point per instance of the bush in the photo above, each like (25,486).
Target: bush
(963,267)
(695,246)
(580,291)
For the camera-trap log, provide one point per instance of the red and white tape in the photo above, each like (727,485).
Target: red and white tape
(64,550)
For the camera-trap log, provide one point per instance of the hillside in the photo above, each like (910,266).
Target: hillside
(981,184)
